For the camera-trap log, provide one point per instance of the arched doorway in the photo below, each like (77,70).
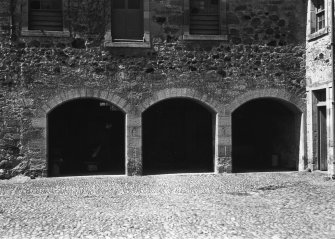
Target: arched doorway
(86,136)
(178,137)
(266,136)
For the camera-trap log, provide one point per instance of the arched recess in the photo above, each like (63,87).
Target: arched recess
(99,102)
(267,131)
(179,126)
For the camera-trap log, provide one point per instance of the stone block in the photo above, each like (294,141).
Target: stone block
(82,92)
(72,94)
(134,131)
(225,150)
(39,122)
(135,153)
(46,108)
(161,95)
(104,94)
(225,121)
(134,142)
(225,141)
(114,99)
(122,104)
(134,121)
(90,92)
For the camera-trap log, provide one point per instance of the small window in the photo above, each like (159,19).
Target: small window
(119,4)
(318,21)
(204,17)
(45,15)
(127,20)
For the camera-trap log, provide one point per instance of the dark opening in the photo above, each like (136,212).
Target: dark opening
(177,137)
(45,15)
(86,136)
(265,134)
(204,17)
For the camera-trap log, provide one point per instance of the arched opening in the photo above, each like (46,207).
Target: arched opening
(266,136)
(85,137)
(178,137)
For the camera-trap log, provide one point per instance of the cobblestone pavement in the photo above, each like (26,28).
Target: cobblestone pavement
(254,205)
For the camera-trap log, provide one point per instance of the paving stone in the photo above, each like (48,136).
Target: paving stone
(254,205)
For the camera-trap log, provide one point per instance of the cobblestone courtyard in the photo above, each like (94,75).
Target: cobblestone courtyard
(254,205)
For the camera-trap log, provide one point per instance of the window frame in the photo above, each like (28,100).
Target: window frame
(186,28)
(144,43)
(25,31)
(313,20)
(320,13)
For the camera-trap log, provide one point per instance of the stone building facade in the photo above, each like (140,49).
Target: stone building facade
(319,86)
(147,86)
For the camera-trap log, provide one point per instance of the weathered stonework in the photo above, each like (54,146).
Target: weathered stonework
(319,81)
(40,73)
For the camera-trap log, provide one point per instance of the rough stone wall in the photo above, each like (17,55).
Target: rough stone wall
(31,76)
(318,62)
(35,69)
(266,22)
(167,18)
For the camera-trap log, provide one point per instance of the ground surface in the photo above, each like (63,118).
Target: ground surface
(255,205)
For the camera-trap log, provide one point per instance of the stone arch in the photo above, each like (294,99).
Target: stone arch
(67,95)
(203,99)
(290,101)
(280,94)
(41,119)
(207,102)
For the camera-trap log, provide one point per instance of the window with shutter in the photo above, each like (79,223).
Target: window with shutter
(317,11)
(204,17)
(205,20)
(45,15)
(129,25)
(127,20)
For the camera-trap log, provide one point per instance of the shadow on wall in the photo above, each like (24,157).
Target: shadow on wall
(86,136)
(177,137)
(266,136)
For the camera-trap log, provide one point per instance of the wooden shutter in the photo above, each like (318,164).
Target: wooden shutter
(127,20)
(204,17)
(45,15)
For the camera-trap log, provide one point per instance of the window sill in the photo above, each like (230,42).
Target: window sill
(188,37)
(127,44)
(317,34)
(39,33)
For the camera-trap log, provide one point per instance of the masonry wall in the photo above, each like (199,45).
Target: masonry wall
(256,57)
(319,76)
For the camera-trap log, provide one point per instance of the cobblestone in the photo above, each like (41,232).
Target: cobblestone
(254,205)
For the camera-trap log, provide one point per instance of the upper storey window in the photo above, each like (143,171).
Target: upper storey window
(130,24)
(204,17)
(127,20)
(45,15)
(317,15)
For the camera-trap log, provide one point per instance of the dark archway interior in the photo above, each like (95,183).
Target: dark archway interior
(265,136)
(86,136)
(177,137)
